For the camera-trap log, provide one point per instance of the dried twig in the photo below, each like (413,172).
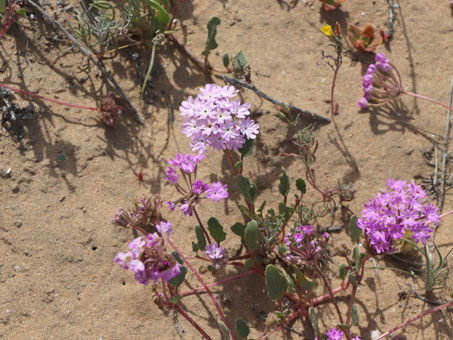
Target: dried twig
(444,151)
(89,55)
(391,20)
(295,109)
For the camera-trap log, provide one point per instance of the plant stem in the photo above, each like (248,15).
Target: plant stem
(150,67)
(192,322)
(201,225)
(59,102)
(193,291)
(445,214)
(326,283)
(445,305)
(214,301)
(429,99)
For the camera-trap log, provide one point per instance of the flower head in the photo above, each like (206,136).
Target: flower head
(217,191)
(213,119)
(397,212)
(327,30)
(381,83)
(148,259)
(218,255)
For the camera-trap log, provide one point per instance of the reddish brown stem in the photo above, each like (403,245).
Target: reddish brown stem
(429,99)
(193,291)
(192,322)
(59,102)
(201,225)
(446,305)
(213,299)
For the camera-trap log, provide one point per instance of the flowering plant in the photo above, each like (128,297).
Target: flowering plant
(364,40)
(280,245)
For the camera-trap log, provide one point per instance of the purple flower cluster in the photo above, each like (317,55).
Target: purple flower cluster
(302,246)
(395,212)
(336,334)
(213,119)
(380,83)
(187,164)
(148,259)
(218,255)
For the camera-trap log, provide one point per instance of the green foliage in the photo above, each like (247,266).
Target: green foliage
(314,319)
(251,236)
(200,238)
(177,280)
(355,315)
(276,282)
(247,189)
(2,6)
(301,186)
(176,298)
(216,230)
(239,61)
(355,231)
(223,330)
(284,184)
(248,147)
(242,328)
(226,60)
(343,271)
(238,229)
(302,281)
(211,43)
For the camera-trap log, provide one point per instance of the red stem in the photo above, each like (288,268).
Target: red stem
(216,283)
(438,308)
(214,301)
(201,225)
(192,322)
(59,102)
(429,99)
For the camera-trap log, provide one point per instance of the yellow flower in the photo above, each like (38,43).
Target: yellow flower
(327,30)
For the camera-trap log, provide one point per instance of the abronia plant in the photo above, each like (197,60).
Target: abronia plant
(282,246)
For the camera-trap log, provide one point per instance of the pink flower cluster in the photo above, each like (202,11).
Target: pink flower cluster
(393,213)
(213,119)
(148,259)
(335,334)
(302,246)
(218,255)
(379,83)
(187,164)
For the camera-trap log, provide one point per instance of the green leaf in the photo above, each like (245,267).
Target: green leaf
(355,315)
(261,208)
(237,166)
(290,282)
(276,283)
(238,229)
(283,187)
(302,281)
(351,279)
(314,319)
(300,184)
(284,211)
(223,330)
(177,280)
(344,326)
(176,298)
(177,257)
(211,44)
(247,189)
(20,12)
(242,328)
(249,263)
(162,18)
(248,147)
(355,231)
(216,230)
(200,238)
(251,235)
(226,60)
(247,212)
(195,247)
(356,257)
(239,61)
(343,271)
(2,6)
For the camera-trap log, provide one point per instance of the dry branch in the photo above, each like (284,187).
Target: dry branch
(57,25)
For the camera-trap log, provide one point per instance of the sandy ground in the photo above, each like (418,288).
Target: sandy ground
(69,173)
